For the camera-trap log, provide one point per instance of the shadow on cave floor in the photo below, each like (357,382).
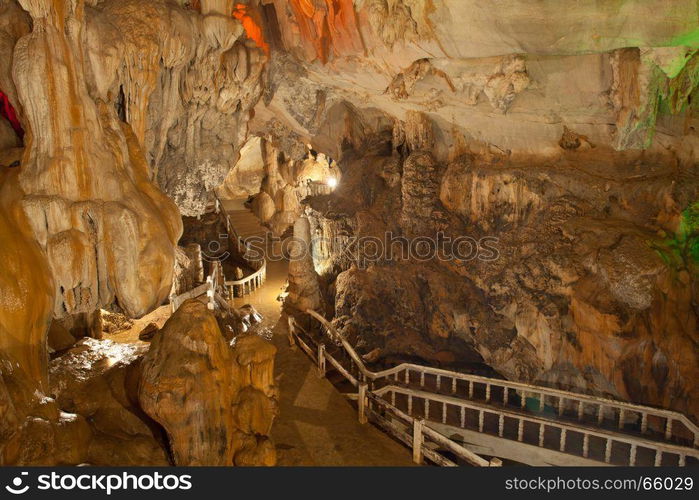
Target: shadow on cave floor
(316,425)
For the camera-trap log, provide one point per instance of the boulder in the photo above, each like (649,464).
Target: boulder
(204,392)
(148,332)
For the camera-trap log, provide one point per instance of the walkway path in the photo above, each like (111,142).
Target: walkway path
(316,425)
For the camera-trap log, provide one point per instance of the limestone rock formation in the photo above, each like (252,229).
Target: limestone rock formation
(97,381)
(212,399)
(304,292)
(551,147)
(567,276)
(245,178)
(263,206)
(511,80)
(87,195)
(189,268)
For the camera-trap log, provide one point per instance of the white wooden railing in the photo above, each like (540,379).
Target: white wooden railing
(248,284)
(436,407)
(414,433)
(463,388)
(208,289)
(411,431)
(312,188)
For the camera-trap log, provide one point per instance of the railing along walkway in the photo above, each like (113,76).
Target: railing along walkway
(599,429)
(208,289)
(249,283)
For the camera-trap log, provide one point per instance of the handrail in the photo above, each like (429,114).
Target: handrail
(209,288)
(256,279)
(312,188)
(610,437)
(365,397)
(261,271)
(582,399)
(431,434)
(250,283)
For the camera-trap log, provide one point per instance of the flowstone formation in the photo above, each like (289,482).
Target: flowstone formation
(216,402)
(117,117)
(190,398)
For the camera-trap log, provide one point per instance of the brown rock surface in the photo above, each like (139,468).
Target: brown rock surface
(577,288)
(98,381)
(209,397)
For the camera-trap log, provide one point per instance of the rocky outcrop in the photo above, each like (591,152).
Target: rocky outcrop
(511,81)
(578,274)
(215,401)
(107,231)
(189,268)
(97,381)
(245,178)
(26,280)
(190,397)
(185,80)
(649,83)
(34,431)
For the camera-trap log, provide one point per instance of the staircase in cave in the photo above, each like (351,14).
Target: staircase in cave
(243,230)
(457,418)
(243,220)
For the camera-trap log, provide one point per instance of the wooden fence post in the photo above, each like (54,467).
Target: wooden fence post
(210,293)
(321,360)
(417,440)
(361,400)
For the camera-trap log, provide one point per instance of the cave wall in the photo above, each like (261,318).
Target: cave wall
(508,79)
(583,275)
(132,113)
(566,132)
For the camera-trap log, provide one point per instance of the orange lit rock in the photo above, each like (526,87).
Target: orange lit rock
(326,26)
(252,29)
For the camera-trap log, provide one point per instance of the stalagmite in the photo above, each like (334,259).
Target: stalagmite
(304,292)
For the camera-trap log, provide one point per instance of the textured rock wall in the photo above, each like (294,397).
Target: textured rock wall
(589,284)
(509,78)
(190,398)
(108,233)
(134,112)
(569,133)
(186,81)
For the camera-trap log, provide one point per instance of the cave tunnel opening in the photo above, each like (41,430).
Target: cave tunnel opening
(8,112)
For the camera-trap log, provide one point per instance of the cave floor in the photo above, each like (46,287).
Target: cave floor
(316,425)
